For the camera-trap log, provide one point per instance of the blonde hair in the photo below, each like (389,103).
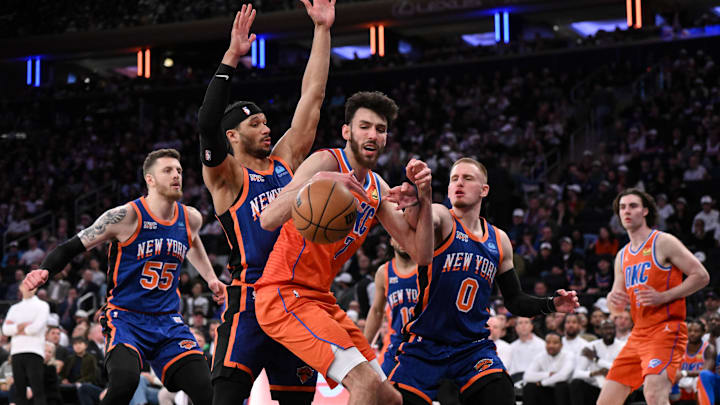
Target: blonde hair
(474,162)
(52,361)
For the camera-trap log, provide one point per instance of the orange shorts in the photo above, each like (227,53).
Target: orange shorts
(650,351)
(309,323)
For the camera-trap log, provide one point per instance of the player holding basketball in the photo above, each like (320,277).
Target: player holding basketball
(396,293)
(448,338)
(149,240)
(294,303)
(242,183)
(649,277)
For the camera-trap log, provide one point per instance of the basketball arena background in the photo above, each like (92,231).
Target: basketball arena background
(566,102)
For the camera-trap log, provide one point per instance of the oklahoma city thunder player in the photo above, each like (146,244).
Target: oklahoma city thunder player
(649,276)
(396,293)
(294,303)
(242,183)
(150,239)
(447,337)
(698,356)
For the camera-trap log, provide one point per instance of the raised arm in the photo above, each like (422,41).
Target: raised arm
(672,252)
(377,309)
(419,242)
(198,256)
(213,141)
(319,165)
(294,146)
(520,303)
(115,224)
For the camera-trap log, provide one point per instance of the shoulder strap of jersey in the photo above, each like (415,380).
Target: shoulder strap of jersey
(498,242)
(278,159)
(338,158)
(186,217)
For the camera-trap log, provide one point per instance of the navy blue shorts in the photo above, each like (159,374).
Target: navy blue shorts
(159,339)
(422,363)
(243,346)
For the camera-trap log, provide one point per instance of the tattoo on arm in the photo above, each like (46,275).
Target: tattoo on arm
(112,216)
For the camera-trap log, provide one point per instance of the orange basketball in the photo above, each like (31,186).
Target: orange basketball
(324,211)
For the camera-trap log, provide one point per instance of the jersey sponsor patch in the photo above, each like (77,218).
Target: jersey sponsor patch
(149,225)
(304,373)
(654,363)
(492,247)
(647,252)
(393,280)
(187,344)
(280,171)
(461,236)
(257,178)
(177,319)
(483,364)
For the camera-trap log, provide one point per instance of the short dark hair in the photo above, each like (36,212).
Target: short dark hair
(153,156)
(697,321)
(374,101)
(78,339)
(552,332)
(647,201)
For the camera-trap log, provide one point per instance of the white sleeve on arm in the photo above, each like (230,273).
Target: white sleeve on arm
(534,373)
(582,369)
(566,369)
(40,320)
(9,327)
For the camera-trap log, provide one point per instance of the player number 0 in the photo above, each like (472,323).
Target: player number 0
(466,295)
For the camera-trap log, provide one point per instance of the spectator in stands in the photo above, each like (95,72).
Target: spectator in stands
(665,210)
(597,317)
(708,215)
(60,352)
(51,381)
(593,364)
(11,259)
(13,291)
(87,286)
(197,302)
(680,223)
(606,243)
(67,309)
(26,323)
(571,341)
(713,328)
(712,305)
(546,380)
(96,344)
(601,279)
(212,333)
(497,330)
(695,171)
(523,349)
(81,370)
(623,325)
(33,254)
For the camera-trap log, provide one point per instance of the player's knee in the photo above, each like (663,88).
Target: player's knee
(655,392)
(362,378)
(388,395)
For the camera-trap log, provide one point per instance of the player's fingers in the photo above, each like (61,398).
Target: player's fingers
(307,4)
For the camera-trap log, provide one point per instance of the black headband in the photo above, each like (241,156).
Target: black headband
(238,114)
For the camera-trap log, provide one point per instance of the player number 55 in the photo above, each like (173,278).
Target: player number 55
(157,274)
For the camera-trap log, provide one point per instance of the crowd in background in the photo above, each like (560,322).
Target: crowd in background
(664,138)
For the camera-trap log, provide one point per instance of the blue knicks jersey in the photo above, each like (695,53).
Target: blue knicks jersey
(250,245)
(402,295)
(143,272)
(455,288)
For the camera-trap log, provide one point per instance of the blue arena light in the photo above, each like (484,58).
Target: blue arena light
(37,71)
(506,27)
(28,81)
(254,53)
(262,53)
(497,27)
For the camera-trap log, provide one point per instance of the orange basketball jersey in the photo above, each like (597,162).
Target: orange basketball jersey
(640,269)
(296,260)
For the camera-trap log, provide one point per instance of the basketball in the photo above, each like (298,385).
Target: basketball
(324,211)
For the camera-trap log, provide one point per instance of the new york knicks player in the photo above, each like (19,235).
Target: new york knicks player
(242,183)
(649,277)
(448,336)
(396,293)
(294,303)
(149,240)
(698,356)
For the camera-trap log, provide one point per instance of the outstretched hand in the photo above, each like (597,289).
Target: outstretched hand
(566,301)
(419,173)
(240,38)
(322,12)
(404,195)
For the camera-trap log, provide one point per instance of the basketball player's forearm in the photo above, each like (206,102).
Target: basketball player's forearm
(372,324)
(58,258)
(316,71)
(424,235)
(199,259)
(693,283)
(213,142)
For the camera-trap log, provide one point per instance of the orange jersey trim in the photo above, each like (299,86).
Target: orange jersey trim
(175,359)
(236,222)
(472,236)
(292,388)
(284,163)
(499,244)
(415,391)
(134,236)
(479,376)
(158,220)
(187,226)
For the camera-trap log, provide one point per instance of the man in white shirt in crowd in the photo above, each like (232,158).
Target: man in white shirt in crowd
(496,325)
(523,349)
(593,364)
(623,325)
(572,342)
(26,323)
(546,380)
(713,327)
(708,215)
(34,254)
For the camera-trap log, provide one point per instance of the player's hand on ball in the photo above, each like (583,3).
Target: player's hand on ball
(346,179)
(240,38)
(404,195)
(566,301)
(419,173)
(218,289)
(35,279)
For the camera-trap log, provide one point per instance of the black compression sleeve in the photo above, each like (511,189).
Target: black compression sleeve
(519,303)
(59,257)
(213,142)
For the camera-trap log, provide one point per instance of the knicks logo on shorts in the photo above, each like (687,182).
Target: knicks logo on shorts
(187,344)
(483,364)
(304,373)
(654,363)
